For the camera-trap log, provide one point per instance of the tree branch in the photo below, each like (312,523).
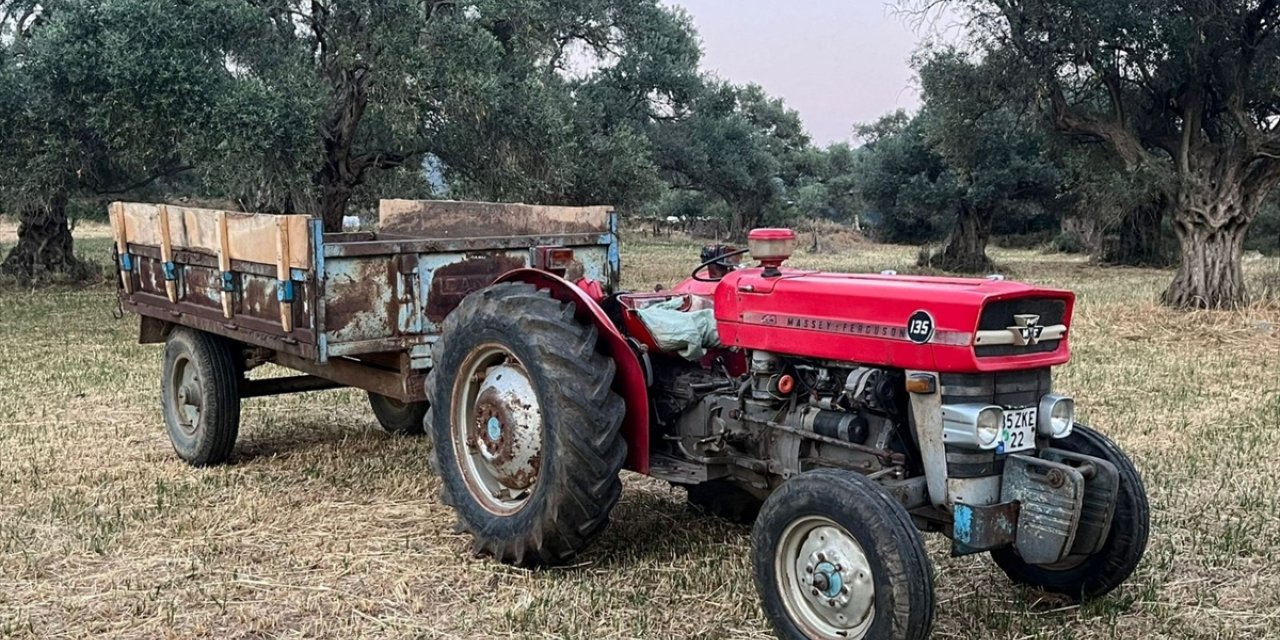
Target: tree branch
(168,172)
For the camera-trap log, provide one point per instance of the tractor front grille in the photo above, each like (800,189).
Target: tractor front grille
(999,315)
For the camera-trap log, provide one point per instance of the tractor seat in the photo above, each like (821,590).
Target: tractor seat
(670,322)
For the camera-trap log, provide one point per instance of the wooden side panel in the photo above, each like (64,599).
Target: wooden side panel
(454,219)
(251,237)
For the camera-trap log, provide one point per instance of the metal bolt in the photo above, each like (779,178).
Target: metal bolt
(831,603)
(808,569)
(815,592)
(844,591)
(822,557)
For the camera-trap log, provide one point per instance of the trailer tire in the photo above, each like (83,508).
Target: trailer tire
(1088,577)
(725,500)
(400,418)
(527,429)
(831,543)
(200,395)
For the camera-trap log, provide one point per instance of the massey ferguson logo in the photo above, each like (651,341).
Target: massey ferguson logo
(1026,329)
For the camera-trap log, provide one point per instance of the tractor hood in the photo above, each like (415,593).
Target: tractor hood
(908,322)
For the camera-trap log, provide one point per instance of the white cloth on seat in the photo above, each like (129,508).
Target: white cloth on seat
(690,333)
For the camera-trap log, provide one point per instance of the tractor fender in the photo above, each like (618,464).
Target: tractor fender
(629,380)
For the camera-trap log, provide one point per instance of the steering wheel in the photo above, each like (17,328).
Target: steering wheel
(712,261)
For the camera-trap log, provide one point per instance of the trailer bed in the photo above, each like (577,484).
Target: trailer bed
(358,309)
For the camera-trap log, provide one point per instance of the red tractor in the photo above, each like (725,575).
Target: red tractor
(841,414)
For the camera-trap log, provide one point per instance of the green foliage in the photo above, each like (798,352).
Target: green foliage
(99,96)
(739,144)
(971,154)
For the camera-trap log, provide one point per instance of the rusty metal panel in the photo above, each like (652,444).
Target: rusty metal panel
(451,277)
(454,219)
(1050,496)
(361,301)
(199,289)
(1102,486)
(976,528)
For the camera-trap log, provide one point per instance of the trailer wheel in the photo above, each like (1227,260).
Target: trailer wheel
(527,429)
(724,500)
(401,418)
(200,396)
(1087,577)
(835,557)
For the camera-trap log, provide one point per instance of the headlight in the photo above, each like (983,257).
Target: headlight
(972,425)
(990,421)
(1057,416)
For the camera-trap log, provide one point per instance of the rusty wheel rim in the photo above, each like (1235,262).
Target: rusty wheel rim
(186,400)
(825,579)
(497,429)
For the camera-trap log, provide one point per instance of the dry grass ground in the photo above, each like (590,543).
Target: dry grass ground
(324,526)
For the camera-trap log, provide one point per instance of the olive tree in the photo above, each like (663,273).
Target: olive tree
(98,99)
(1183,87)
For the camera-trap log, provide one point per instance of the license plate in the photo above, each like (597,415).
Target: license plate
(1019,430)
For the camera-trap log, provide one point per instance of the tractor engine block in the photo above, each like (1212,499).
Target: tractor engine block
(785,416)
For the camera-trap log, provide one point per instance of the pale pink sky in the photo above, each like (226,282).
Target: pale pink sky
(837,62)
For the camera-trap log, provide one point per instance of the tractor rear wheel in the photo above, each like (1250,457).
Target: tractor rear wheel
(525,424)
(836,557)
(401,418)
(200,395)
(1087,577)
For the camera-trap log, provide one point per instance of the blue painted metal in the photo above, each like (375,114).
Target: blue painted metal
(615,252)
(317,239)
(317,260)
(228,281)
(495,429)
(835,581)
(170,271)
(284,291)
(299,275)
(126,261)
(962,526)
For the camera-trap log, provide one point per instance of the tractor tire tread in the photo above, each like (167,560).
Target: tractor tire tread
(583,475)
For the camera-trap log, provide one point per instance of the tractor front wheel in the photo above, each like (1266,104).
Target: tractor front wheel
(1087,577)
(526,427)
(836,557)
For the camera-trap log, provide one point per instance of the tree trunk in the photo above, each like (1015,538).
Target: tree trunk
(966,248)
(1085,230)
(343,170)
(1140,241)
(45,247)
(1212,213)
(335,194)
(743,218)
(1209,275)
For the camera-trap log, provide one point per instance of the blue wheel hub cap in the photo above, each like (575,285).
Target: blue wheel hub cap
(833,580)
(495,429)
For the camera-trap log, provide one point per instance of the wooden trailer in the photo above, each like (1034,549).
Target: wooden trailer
(359,309)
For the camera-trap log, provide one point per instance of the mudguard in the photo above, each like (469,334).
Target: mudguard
(629,380)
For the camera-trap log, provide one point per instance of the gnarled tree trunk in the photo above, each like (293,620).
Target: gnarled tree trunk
(1213,209)
(44,243)
(966,248)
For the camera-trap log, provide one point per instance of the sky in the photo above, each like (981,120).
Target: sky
(837,62)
